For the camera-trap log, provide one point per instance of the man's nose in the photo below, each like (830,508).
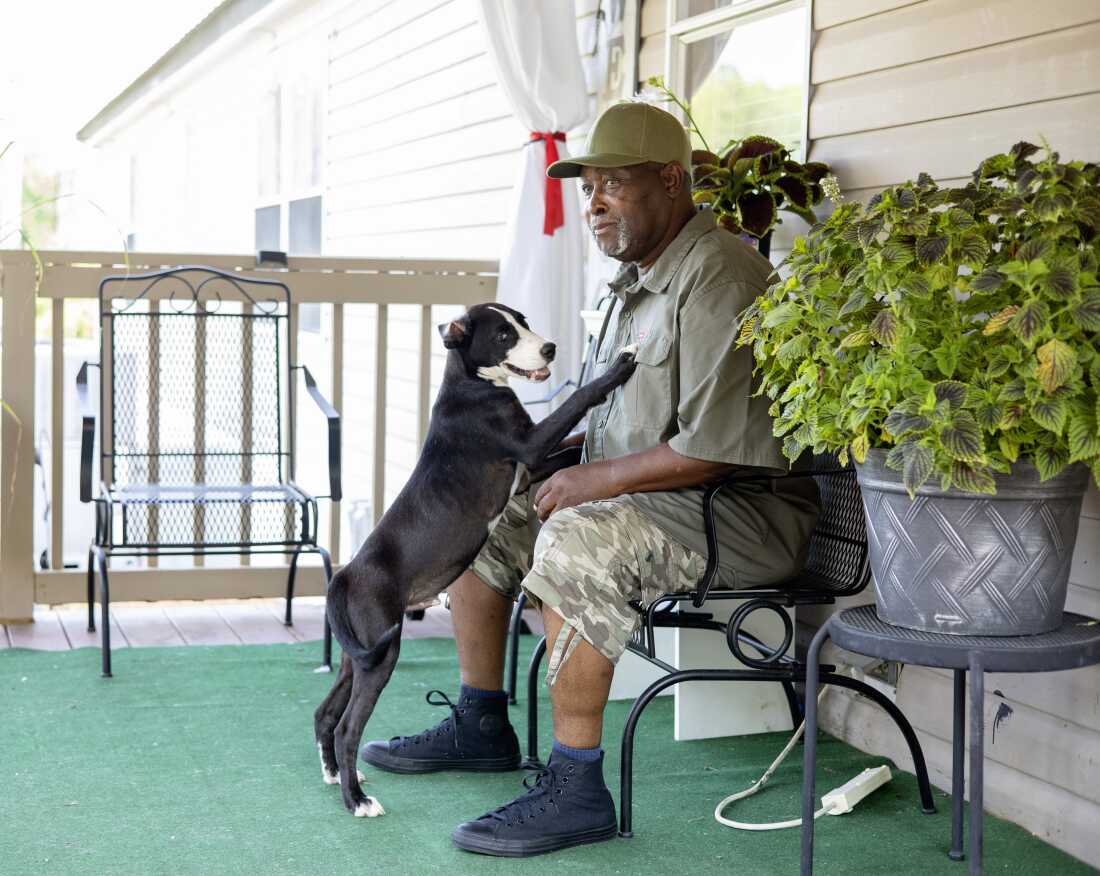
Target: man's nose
(548,350)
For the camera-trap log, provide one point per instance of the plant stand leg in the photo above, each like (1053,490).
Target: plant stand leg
(958,756)
(977,761)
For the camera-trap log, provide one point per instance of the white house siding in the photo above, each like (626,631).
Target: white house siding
(937,85)
(421,153)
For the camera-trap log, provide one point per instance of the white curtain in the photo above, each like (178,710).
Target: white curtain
(533,44)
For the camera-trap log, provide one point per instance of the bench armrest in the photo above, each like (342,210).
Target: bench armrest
(333,417)
(87,430)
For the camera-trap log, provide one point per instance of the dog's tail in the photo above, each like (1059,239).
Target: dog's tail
(337,609)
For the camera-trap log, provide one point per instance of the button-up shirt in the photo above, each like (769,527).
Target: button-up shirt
(693,389)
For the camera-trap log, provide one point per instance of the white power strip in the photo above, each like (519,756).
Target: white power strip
(837,802)
(844,799)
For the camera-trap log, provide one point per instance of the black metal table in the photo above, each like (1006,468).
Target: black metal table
(1076,643)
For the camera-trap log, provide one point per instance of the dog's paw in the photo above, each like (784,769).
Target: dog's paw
(630,350)
(329,778)
(369,808)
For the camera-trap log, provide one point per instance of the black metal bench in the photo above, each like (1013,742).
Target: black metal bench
(836,566)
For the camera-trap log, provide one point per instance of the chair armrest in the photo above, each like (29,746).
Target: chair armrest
(333,417)
(711,570)
(87,431)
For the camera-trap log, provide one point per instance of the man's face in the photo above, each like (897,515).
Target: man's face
(628,209)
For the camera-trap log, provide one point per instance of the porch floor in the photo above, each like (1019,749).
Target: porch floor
(209,622)
(201,760)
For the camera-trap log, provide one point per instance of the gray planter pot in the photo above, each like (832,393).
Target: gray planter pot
(970,564)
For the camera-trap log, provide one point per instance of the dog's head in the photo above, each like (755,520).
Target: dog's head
(496,343)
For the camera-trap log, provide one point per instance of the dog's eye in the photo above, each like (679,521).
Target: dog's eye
(502,336)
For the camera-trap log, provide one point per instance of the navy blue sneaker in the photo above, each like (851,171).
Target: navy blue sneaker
(566,804)
(477,736)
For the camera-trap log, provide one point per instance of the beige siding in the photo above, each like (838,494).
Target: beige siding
(421,156)
(902,86)
(936,86)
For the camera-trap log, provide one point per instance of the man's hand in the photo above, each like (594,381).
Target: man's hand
(659,468)
(574,486)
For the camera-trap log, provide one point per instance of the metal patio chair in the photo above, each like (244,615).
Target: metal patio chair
(196,421)
(836,566)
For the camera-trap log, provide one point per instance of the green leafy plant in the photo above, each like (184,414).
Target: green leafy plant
(956,328)
(748,181)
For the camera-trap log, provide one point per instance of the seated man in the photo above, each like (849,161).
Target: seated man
(626,525)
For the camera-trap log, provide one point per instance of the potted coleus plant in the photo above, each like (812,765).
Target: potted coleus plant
(947,340)
(749,181)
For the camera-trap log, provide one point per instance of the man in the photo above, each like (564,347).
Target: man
(626,525)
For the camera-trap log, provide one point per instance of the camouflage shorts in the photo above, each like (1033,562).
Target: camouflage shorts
(588,563)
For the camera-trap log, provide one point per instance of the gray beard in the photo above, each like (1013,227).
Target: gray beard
(622,240)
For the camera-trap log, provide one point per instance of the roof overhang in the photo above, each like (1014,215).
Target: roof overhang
(228,18)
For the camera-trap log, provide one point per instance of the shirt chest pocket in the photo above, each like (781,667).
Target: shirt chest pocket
(647,396)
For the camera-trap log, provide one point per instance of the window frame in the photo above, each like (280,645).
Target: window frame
(681,31)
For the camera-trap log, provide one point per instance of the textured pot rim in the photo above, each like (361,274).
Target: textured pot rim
(1022,483)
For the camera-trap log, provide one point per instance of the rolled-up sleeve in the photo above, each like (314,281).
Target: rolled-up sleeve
(717,418)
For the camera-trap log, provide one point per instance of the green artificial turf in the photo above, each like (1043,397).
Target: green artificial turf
(202,760)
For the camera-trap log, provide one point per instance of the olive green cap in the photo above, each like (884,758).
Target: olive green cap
(627,133)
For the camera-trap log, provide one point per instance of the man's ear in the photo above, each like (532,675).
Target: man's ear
(454,333)
(675,179)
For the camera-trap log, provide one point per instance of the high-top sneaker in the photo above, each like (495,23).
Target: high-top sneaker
(566,804)
(477,735)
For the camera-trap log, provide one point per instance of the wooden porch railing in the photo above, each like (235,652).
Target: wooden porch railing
(313,279)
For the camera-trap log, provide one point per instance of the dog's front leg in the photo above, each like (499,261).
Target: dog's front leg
(544,437)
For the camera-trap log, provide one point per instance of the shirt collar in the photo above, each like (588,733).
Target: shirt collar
(668,262)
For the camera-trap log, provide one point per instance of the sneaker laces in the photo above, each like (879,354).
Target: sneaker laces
(543,786)
(439,729)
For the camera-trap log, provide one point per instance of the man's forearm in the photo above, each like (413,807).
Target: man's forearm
(659,468)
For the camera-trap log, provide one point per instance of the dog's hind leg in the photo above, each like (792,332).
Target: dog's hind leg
(326,718)
(367,684)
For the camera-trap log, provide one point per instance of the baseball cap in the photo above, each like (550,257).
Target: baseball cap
(631,132)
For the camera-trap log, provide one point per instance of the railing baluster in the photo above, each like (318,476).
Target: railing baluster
(425,372)
(338,403)
(379,474)
(246,424)
(152,425)
(57,434)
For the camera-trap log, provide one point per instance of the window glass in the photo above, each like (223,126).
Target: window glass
(751,80)
(267,228)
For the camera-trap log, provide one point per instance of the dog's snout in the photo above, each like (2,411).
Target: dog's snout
(548,350)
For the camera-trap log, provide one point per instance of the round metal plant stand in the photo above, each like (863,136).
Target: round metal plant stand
(1074,644)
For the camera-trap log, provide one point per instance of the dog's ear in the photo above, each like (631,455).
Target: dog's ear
(454,333)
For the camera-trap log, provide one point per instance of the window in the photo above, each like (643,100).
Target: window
(744,66)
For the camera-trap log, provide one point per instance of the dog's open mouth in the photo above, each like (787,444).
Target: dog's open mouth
(538,375)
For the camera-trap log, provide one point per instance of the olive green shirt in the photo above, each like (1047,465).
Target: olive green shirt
(693,389)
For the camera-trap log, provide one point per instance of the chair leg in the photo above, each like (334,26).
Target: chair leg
(105,611)
(326,645)
(91,590)
(532,760)
(288,619)
(513,646)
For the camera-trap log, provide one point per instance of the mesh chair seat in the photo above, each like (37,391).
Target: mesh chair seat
(210,515)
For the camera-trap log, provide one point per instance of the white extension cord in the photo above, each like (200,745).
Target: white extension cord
(837,802)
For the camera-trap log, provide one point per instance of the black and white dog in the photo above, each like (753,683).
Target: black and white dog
(481,447)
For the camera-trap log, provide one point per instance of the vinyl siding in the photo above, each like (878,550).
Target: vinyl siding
(421,152)
(937,85)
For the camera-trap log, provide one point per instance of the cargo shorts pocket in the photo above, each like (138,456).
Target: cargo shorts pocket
(647,396)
